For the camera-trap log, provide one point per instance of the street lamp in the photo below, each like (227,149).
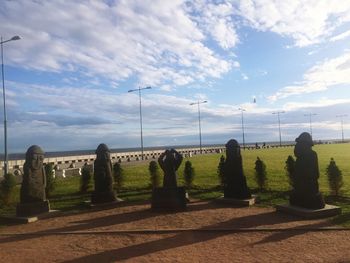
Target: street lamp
(4,100)
(241,109)
(279,124)
(341,123)
(139,90)
(199,122)
(309,115)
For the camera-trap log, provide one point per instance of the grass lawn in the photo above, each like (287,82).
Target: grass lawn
(66,196)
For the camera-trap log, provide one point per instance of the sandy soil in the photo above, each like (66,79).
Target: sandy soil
(206,232)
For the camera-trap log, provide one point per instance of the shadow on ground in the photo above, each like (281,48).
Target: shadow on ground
(189,238)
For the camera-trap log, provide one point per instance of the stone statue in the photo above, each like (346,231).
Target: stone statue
(170,161)
(306,193)
(32,194)
(170,196)
(103,176)
(235,184)
(34,178)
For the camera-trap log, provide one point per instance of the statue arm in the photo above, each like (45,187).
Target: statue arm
(44,176)
(317,171)
(178,159)
(161,161)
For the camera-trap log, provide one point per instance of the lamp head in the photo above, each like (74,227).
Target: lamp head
(15,38)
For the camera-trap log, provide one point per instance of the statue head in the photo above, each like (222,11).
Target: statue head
(102,152)
(232,148)
(305,138)
(169,155)
(303,144)
(35,157)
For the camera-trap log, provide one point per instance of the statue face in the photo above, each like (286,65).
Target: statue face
(302,148)
(233,151)
(169,157)
(37,161)
(106,155)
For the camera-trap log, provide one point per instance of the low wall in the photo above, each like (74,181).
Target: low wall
(68,162)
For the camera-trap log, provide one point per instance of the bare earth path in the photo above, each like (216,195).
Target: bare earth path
(206,232)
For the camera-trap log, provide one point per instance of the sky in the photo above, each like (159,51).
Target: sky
(67,78)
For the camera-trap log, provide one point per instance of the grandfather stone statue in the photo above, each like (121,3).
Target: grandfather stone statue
(103,176)
(235,184)
(170,161)
(306,193)
(32,194)
(170,196)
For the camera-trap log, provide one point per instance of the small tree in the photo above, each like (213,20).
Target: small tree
(85,178)
(154,174)
(260,173)
(118,174)
(335,178)
(220,171)
(290,167)
(50,180)
(189,174)
(7,188)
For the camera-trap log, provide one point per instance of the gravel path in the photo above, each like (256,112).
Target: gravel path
(206,232)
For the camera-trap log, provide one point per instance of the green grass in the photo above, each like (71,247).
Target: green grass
(67,197)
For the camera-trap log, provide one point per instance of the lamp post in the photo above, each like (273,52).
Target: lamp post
(4,100)
(279,123)
(139,90)
(241,109)
(199,122)
(341,123)
(310,118)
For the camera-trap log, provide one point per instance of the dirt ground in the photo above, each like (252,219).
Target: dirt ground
(205,232)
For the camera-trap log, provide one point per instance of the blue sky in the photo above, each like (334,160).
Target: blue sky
(67,78)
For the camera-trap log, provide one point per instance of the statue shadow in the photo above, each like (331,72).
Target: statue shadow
(86,225)
(84,208)
(107,221)
(343,218)
(186,238)
(285,234)
(134,193)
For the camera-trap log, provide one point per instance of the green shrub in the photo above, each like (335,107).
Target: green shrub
(335,178)
(7,188)
(220,171)
(260,173)
(85,181)
(118,174)
(154,174)
(189,174)
(50,180)
(290,168)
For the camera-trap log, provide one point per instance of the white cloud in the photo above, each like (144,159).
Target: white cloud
(216,20)
(340,36)
(159,42)
(85,117)
(306,22)
(244,76)
(322,103)
(321,77)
